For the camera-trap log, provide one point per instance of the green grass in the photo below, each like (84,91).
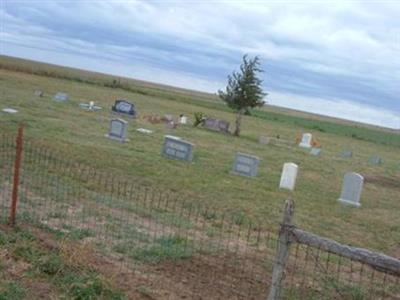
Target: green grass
(79,135)
(166,247)
(38,264)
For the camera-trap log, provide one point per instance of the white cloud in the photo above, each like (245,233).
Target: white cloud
(354,40)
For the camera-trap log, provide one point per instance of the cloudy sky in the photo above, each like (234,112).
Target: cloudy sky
(338,58)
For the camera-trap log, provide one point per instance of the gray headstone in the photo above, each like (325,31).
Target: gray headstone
(316,151)
(264,140)
(61,97)
(347,153)
(246,164)
(124,107)
(376,160)
(216,125)
(351,189)
(118,130)
(177,148)
(39,93)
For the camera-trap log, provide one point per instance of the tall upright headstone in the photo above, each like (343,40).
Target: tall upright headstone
(306,140)
(117,130)
(246,165)
(351,189)
(289,176)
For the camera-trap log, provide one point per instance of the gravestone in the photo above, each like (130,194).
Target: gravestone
(124,107)
(264,140)
(118,129)
(177,148)
(143,130)
(39,93)
(216,125)
(61,97)
(288,177)
(246,165)
(90,106)
(376,160)
(351,189)
(347,153)
(306,140)
(316,151)
(10,110)
(183,119)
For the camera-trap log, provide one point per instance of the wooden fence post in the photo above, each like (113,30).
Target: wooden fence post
(282,254)
(17,167)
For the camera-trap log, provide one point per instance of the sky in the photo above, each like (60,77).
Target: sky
(336,58)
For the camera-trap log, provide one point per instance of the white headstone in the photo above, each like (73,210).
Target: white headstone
(289,175)
(183,120)
(306,140)
(351,189)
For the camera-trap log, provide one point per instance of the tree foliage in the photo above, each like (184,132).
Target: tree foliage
(244,89)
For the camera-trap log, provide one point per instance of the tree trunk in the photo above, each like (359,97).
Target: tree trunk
(238,121)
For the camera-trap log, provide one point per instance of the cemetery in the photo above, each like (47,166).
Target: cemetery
(337,187)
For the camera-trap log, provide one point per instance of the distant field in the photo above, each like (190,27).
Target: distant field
(78,134)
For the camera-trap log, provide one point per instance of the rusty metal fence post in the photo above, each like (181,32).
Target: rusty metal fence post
(17,168)
(282,254)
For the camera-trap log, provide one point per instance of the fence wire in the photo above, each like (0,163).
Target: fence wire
(172,247)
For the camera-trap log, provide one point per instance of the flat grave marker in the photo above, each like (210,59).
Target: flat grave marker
(90,106)
(61,97)
(351,189)
(38,93)
(316,151)
(376,160)
(263,140)
(10,110)
(347,153)
(246,165)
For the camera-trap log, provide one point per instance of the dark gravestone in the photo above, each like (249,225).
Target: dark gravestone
(124,107)
(177,148)
(216,125)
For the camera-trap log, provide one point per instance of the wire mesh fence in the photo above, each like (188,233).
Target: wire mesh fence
(173,247)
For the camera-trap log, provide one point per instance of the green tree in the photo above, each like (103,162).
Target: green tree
(244,89)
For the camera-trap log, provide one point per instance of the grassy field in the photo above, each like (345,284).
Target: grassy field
(79,134)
